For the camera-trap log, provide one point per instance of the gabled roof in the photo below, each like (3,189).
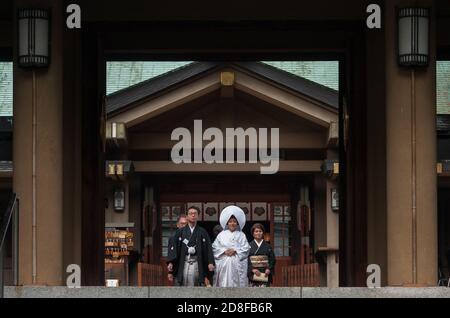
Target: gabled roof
(122,99)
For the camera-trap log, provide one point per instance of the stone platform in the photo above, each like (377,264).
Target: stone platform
(173,292)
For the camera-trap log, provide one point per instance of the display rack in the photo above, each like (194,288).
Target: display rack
(118,244)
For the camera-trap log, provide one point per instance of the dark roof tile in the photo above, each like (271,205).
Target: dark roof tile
(123,98)
(296,83)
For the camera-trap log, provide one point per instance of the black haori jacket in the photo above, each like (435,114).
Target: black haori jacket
(178,250)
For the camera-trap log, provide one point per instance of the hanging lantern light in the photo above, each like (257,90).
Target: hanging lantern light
(413,36)
(33,33)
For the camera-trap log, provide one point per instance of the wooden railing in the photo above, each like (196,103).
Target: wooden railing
(293,276)
(150,275)
(301,275)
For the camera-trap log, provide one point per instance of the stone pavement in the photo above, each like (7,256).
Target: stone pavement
(187,292)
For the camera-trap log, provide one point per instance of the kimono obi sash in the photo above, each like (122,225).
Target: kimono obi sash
(259,261)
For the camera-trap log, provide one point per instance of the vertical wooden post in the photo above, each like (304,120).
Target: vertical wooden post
(93,213)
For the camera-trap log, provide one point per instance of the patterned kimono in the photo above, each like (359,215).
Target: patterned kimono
(264,251)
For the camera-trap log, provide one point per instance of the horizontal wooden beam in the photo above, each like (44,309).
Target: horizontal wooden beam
(168,166)
(305,140)
(285,154)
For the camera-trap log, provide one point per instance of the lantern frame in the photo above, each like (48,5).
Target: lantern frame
(415,57)
(36,19)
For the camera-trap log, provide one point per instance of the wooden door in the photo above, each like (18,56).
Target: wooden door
(280,225)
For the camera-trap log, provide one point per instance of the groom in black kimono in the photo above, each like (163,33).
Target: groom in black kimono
(191,253)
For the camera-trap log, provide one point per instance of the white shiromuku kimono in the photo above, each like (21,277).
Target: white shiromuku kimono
(231,271)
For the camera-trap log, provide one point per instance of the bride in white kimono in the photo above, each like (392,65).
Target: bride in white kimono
(231,250)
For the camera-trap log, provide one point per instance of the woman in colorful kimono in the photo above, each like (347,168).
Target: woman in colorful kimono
(231,250)
(261,260)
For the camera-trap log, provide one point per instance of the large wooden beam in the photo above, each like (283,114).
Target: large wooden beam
(306,140)
(168,166)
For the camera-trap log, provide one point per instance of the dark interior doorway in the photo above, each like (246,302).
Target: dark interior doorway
(343,41)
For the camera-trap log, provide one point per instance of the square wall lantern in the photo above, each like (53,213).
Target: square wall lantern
(413,36)
(334,200)
(119,200)
(33,37)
